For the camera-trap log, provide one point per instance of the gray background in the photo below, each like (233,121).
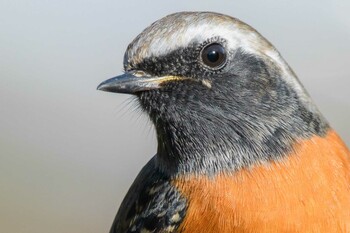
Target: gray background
(68,153)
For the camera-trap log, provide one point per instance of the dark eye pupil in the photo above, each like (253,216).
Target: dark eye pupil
(214,55)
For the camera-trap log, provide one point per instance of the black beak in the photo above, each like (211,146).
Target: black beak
(133,82)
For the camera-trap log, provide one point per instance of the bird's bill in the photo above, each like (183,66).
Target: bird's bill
(133,82)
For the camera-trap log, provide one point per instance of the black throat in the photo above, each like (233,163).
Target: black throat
(209,141)
(249,115)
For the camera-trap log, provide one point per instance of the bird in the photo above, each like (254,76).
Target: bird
(241,146)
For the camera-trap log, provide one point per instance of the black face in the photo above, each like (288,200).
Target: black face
(232,105)
(200,62)
(240,83)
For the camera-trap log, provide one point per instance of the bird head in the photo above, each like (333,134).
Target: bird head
(219,94)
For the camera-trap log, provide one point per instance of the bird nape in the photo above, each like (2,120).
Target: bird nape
(241,145)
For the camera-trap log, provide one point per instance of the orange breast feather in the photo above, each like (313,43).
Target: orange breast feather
(307,191)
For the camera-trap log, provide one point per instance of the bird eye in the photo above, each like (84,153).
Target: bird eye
(214,55)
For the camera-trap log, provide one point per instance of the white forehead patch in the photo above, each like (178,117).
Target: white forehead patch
(181,29)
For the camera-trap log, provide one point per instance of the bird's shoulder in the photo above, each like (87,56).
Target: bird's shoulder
(152,204)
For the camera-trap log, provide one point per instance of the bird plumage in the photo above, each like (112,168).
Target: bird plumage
(152,204)
(308,191)
(241,146)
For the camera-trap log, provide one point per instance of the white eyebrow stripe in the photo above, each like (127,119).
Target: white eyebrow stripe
(182,29)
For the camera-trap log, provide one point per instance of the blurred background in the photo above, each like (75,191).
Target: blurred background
(68,153)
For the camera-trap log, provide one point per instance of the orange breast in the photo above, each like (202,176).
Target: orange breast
(308,191)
